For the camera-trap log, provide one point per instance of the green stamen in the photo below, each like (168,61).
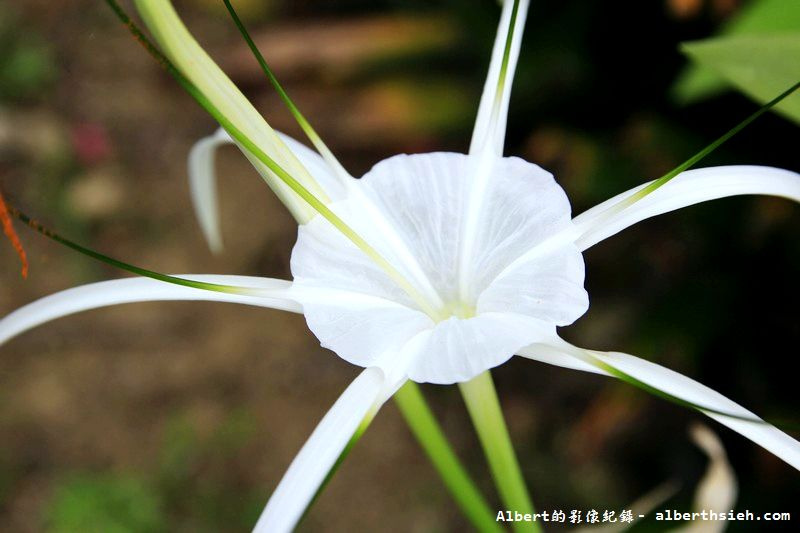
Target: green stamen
(663,180)
(38,227)
(627,378)
(304,124)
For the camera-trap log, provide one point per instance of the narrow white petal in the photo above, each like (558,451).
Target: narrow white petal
(688,188)
(683,388)
(132,290)
(718,487)
(203,186)
(490,125)
(488,139)
(318,455)
(203,179)
(546,353)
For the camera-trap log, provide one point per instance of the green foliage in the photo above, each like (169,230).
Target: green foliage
(760,17)
(761,66)
(89,502)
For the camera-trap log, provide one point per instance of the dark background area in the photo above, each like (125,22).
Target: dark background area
(184,416)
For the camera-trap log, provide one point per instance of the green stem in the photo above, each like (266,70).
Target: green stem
(426,429)
(487,416)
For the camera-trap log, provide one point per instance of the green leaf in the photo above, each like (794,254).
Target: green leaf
(759,17)
(761,66)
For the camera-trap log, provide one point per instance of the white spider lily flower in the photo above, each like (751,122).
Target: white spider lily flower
(459,261)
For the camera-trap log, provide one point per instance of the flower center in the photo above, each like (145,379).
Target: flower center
(458,309)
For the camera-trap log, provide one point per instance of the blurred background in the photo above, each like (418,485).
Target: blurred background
(184,416)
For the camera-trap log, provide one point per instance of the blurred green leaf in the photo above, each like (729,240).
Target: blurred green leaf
(180,451)
(102,503)
(27,65)
(761,66)
(25,69)
(759,17)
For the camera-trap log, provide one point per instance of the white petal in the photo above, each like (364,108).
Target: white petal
(319,169)
(488,138)
(362,328)
(203,186)
(718,488)
(687,188)
(318,455)
(203,180)
(421,198)
(131,290)
(490,125)
(547,353)
(548,287)
(458,349)
(683,388)
(359,327)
